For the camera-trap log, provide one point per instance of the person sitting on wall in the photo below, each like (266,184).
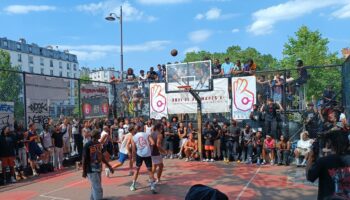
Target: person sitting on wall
(303,148)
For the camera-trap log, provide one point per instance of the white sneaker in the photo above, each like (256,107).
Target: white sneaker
(186,160)
(153,188)
(211,160)
(171,157)
(13,180)
(303,163)
(132,187)
(207,160)
(107,171)
(35,174)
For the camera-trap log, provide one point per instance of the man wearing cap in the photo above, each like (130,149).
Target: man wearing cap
(92,165)
(311,120)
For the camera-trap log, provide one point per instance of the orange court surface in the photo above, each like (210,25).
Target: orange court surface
(237,181)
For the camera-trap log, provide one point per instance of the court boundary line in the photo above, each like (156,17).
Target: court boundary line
(45,195)
(247,185)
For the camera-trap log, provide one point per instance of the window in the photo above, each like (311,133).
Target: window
(74,67)
(31,69)
(60,73)
(60,65)
(68,74)
(51,72)
(5,43)
(19,57)
(42,61)
(51,63)
(20,67)
(30,49)
(68,66)
(18,46)
(74,75)
(30,60)
(42,70)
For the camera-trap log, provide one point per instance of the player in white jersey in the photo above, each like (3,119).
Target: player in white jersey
(141,148)
(125,149)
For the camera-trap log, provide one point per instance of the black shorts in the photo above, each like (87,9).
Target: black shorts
(147,160)
(169,145)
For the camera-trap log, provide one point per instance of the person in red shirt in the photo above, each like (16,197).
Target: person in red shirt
(269,150)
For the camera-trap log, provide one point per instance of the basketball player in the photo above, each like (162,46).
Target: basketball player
(141,149)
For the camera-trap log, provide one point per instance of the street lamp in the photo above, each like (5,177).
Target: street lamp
(113,17)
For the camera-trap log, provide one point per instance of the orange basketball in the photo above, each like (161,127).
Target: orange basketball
(173,52)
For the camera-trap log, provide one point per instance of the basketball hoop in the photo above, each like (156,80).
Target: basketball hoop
(184,87)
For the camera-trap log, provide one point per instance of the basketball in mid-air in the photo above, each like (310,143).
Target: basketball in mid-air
(173,52)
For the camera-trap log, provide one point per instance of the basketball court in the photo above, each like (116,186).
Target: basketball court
(237,181)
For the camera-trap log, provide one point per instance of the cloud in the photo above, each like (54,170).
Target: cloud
(342,13)
(25,9)
(191,49)
(162,2)
(96,52)
(130,13)
(235,30)
(265,19)
(199,36)
(214,14)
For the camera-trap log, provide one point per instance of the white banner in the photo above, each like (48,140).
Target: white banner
(7,114)
(216,101)
(158,101)
(243,96)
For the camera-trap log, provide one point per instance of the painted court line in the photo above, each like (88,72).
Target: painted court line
(247,185)
(45,195)
(53,198)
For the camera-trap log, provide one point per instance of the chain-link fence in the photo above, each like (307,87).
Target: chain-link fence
(36,98)
(32,98)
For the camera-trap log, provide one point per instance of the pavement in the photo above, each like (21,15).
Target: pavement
(237,181)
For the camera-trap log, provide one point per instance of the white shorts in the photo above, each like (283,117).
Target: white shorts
(182,142)
(156,160)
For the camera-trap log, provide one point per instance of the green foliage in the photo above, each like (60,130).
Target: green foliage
(263,61)
(11,84)
(312,48)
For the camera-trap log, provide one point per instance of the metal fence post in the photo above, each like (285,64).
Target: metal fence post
(79,100)
(25,99)
(114,88)
(346,87)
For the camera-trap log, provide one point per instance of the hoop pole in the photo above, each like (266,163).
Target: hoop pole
(199,121)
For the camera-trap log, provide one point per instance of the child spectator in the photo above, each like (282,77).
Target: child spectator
(209,137)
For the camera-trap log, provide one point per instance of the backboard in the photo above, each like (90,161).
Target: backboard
(194,74)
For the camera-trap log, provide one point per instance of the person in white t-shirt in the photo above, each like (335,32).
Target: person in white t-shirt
(104,140)
(141,148)
(66,130)
(125,149)
(303,148)
(148,127)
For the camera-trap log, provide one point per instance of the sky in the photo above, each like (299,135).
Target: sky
(152,28)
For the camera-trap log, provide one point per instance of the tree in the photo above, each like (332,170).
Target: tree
(312,48)
(11,84)
(263,61)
